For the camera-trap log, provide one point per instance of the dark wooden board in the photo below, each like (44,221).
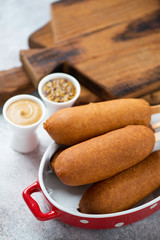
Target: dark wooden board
(72,19)
(153,98)
(113,50)
(43,37)
(122,61)
(37,72)
(14,81)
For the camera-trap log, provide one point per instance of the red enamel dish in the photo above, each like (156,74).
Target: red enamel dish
(63,201)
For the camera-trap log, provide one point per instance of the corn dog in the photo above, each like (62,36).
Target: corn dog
(73,125)
(123,190)
(103,156)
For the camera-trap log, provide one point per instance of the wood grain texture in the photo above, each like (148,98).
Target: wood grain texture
(110,68)
(14,81)
(114,50)
(43,37)
(141,27)
(153,98)
(86,96)
(38,66)
(72,19)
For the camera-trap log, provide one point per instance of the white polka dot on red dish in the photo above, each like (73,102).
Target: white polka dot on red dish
(119,224)
(84,221)
(154,205)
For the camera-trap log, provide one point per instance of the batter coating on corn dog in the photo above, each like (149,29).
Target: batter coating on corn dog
(103,156)
(123,190)
(73,125)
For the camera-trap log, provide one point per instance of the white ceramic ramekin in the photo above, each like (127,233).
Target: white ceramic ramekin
(24,138)
(54,106)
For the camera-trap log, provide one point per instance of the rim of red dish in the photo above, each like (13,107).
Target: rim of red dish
(57,205)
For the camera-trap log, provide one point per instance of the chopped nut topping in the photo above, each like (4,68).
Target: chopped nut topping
(59,90)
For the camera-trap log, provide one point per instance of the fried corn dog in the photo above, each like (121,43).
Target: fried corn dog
(123,190)
(104,156)
(73,125)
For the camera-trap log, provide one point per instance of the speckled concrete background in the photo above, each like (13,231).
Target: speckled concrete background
(18,19)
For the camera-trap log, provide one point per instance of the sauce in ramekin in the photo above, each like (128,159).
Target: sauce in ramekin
(24,112)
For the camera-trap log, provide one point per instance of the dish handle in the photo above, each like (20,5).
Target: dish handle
(33,205)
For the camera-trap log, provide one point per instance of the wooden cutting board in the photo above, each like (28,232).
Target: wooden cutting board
(42,38)
(38,69)
(72,19)
(107,65)
(14,81)
(112,47)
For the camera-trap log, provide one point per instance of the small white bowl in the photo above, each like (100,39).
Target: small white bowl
(54,106)
(24,138)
